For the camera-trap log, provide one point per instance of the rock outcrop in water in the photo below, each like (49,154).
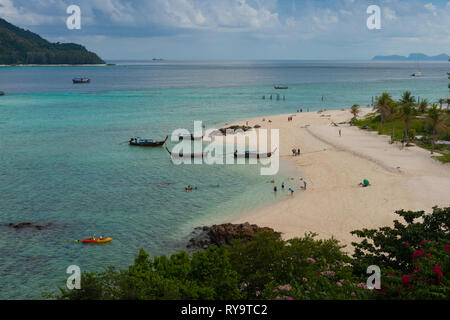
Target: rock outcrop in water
(22,225)
(223,234)
(223,131)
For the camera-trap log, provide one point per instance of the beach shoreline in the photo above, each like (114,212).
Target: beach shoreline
(334,204)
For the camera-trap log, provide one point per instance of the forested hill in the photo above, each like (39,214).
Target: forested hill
(19,46)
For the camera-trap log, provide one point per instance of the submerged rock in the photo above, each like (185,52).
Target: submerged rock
(22,225)
(224,234)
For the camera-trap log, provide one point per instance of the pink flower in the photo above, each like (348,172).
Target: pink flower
(258,293)
(353,294)
(288,298)
(311,260)
(285,288)
(278,298)
(305,279)
(339,284)
(390,275)
(447,247)
(405,280)
(417,254)
(438,272)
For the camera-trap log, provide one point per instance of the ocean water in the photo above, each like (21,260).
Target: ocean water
(63,158)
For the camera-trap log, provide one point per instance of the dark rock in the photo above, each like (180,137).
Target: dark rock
(224,234)
(22,225)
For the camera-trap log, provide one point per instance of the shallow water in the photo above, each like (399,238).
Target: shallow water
(63,158)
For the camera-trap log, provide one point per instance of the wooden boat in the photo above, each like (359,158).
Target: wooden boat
(281,87)
(248,155)
(191,155)
(189,137)
(81,80)
(146,142)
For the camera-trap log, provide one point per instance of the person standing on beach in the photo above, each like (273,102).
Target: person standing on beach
(304,184)
(298,151)
(292,191)
(340,132)
(275,189)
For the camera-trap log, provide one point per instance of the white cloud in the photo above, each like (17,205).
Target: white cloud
(432,8)
(18,15)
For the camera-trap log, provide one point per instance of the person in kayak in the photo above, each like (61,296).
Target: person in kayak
(92,237)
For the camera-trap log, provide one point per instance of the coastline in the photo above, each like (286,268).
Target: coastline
(333,204)
(54,65)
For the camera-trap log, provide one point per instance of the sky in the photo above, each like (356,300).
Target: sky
(239,29)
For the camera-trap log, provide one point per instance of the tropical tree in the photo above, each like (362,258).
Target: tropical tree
(441,102)
(354,110)
(423,105)
(448,103)
(382,107)
(393,115)
(408,98)
(407,111)
(437,122)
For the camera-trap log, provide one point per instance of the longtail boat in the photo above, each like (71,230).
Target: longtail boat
(146,142)
(189,137)
(188,155)
(81,80)
(248,155)
(281,87)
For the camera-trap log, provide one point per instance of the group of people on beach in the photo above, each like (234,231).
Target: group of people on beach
(296,152)
(291,190)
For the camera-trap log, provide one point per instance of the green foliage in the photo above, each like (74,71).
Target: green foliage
(389,247)
(18,46)
(414,257)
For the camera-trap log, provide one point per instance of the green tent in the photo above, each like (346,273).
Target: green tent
(366,182)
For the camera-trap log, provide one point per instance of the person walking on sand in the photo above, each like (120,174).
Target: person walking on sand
(292,191)
(304,184)
(298,151)
(275,189)
(340,132)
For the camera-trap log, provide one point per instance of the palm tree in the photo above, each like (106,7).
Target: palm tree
(382,107)
(423,105)
(354,110)
(441,102)
(408,98)
(448,103)
(407,101)
(393,115)
(437,121)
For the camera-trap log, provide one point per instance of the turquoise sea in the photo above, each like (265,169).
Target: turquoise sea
(63,158)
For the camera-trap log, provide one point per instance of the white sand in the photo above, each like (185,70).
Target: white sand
(334,204)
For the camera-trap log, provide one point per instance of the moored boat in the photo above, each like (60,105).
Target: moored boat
(81,80)
(253,155)
(281,87)
(188,155)
(146,142)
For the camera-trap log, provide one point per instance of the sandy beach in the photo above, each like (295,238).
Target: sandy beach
(334,204)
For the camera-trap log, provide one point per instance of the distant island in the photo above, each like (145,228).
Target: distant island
(413,57)
(23,47)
